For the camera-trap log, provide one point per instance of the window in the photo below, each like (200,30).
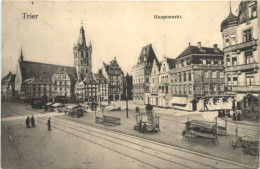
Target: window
(250,79)
(235,79)
(206,74)
(249,57)
(184,76)
(147,80)
(227,40)
(215,61)
(234,60)
(233,39)
(180,77)
(247,35)
(190,89)
(221,75)
(184,89)
(228,60)
(189,76)
(229,79)
(214,74)
(180,89)
(208,61)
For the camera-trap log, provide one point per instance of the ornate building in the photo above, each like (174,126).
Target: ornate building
(197,82)
(35,80)
(160,80)
(241,51)
(115,77)
(141,74)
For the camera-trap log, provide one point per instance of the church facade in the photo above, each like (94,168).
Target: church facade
(37,80)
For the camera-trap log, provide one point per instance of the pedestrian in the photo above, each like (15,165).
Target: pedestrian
(32,121)
(28,122)
(144,127)
(49,124)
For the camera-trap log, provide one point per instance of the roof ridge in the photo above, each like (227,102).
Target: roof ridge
(48,64)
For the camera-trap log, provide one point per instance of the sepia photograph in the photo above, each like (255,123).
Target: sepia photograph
(130,84)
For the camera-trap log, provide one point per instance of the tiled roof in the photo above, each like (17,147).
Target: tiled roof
(149,53)
(43,70)
(89,79)
(41,81)
(195,50)
(100,78)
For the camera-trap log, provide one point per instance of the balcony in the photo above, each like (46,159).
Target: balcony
(242,67)
(246,89)
(241,46)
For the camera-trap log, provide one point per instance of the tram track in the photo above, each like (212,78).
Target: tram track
(126,144)
(62,124)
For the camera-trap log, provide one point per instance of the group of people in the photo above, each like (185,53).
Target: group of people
(224,113)
(28,120)
(32,121)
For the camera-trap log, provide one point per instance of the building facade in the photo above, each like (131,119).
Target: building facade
(197,82)
(141,74)
(160,80)
(115,77)
(35,80)
(8,87)
(241,51)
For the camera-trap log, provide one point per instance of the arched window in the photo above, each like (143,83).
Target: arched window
(82,54)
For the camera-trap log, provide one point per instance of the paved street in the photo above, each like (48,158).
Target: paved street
(75,143)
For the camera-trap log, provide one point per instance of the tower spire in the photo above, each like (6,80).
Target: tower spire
(230,10)
(82,39)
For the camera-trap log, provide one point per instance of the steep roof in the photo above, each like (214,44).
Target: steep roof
(195,50)
(147,55)
(43,70)
(10,77)
(100,78)
(89,79)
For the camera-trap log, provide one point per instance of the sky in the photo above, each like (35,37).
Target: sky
(115,29)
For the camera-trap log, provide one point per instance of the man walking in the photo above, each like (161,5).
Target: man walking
(32,121)
(49,124)
(27,122)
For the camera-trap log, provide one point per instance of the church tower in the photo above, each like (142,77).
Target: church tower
(82,56)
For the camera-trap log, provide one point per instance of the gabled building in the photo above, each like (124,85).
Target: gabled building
(241,52)
(102,86)
(141,74)
(197,82)
(160,81)
(8,87)
(115,77)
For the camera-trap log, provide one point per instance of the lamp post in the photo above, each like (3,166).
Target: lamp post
(126,99)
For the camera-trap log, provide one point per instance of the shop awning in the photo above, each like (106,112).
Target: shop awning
(48,104)
(57,105)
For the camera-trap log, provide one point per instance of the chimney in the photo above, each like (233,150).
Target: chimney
(199,45)
(215,46)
